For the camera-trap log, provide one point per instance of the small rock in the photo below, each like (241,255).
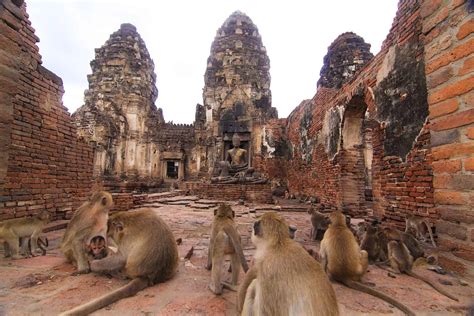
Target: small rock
(463,283)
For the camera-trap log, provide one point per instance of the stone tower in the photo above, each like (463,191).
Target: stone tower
(119,113)
(236,95)
(345,56)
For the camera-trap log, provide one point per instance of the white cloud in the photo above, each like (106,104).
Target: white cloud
(178,35)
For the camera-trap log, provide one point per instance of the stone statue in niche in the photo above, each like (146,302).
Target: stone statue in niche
(237,157)
(235,168)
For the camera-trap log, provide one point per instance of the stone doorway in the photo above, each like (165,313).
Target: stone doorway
(356,160)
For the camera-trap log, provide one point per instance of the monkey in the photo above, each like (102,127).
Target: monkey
(319,223)
(370,243)
(97,248)
(417,222)
(12,230)
(344,262)
(414,247)
(401,261)
(224,241)
(88,222)
(42,245)
(285,279)
(147,253)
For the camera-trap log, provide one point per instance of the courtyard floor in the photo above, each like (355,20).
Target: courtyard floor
(44,285)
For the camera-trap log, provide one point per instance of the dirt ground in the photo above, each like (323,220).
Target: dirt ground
(44,285)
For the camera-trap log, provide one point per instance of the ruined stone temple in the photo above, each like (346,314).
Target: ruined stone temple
(383,137)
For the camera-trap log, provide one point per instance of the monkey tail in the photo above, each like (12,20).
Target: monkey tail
(231,232)
(360,287)
(432,284)
(431,233)
(127,290)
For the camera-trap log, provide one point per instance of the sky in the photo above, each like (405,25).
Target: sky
(179,34)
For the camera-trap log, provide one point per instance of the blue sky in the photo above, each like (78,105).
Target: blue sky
(179,34)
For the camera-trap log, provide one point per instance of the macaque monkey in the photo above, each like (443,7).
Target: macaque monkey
(19,230)
(401,261)
(343,260)
(88,222)
(146,253)
(418,223)
(42,245)
(414,247)
(285,279)
(319,224)
(224,241)
(97,248)
(370,243)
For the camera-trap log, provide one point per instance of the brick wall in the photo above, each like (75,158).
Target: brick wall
(42,164)
(260,193)
(449,57)
(365,147)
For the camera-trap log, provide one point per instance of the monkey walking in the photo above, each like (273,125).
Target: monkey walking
(343,260)
(417,223)
(285,279)
(17,230)
(87,223)
(146,253)
(401,261)
(224,241)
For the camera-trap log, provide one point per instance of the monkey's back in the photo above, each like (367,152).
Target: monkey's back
(151,246)
(343,253)
(292,282)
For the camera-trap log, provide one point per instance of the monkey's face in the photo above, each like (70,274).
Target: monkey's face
(97,248)
(115,230)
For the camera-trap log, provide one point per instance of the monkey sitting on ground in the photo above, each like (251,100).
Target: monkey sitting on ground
(418,223)
(414,247)
(146,253)
(319,223)
(285,279)
(224,241)
(88,222)
(370,242)
(401,261)
(343,260)
(19,230)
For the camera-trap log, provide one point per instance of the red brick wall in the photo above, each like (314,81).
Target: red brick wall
(401,183)
(449,49)
(42,164)
(260,193)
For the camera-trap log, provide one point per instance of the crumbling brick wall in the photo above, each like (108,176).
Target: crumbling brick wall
(42,164)
(448,29)
(362,143)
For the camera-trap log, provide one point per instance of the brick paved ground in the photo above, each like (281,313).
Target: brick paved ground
(44,286)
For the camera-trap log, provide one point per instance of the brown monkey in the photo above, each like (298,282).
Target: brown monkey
(88,222)
(12,230)
(147,254)
(414,247)
(97,248)
(343,260)
(42,245)
(285,279)
(401,261)
(370,243)
(319,223)
(224,241)
(418,223)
